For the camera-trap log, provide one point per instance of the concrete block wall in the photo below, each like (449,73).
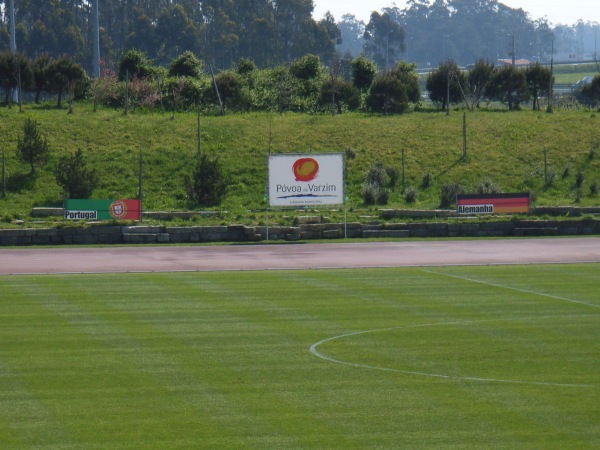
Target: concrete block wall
(141,234)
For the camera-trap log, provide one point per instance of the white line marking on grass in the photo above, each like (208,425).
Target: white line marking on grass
(318,354)
(512,288)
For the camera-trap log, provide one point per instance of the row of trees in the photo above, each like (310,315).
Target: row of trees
(305,85)
(58,76)
(430,31)
(485,81)
(510,85)
(274,32)
(223,31)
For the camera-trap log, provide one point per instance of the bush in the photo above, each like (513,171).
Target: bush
(33,148)
(183,93)
(376,174)
(387,95)
(594,149)
(579,178)
(410,196)
(449,191)
(487,186)
(594,189)
(427,180)
(369,193)
(208,183)
(134,63)
(550,177)
(393,174)
(374,186)
(231,91)
(383,196)
(350,154)
(186,65)
(345,96)
(72,175)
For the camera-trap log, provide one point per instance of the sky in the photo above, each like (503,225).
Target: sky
(563,12)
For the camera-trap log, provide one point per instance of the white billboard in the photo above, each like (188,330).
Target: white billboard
(305,180)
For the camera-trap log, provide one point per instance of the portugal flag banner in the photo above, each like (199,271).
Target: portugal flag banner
(75,209)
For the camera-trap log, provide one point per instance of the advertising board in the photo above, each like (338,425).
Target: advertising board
(474,204)
(76,209)
(306,180)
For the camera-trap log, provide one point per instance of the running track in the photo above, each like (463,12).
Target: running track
(116,259)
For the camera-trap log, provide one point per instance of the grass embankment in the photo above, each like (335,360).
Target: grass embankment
(506,148)
(464,357)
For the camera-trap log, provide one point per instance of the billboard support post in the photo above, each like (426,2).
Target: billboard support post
(3,174)
(140,184)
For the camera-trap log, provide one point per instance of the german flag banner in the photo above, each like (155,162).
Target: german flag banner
(473,204)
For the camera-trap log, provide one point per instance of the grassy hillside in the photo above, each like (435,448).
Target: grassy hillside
(504,148)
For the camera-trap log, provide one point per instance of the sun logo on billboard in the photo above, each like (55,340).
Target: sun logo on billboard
(306,169)
(117,209)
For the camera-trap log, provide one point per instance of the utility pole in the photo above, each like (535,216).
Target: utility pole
(96,18)
(448,93)
(13,39)
(514,58)
(551,87)
(199,147)
(464,134)
(545,167)
(127,92)
(140,196)
(332,93)
(3,174)
(403,177)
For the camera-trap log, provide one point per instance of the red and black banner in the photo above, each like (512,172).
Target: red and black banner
(471,204)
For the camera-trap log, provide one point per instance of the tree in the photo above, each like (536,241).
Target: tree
(342,93)
(33,148)
(73,176)
(363,72)
(508,85)
(208,183)
(292,18)
(387,95)
(479,78)
(308,73)
(134,63)
(143,35)
(40,82)
(62,75)
(384,40)
(352,32)
(591,91)
(407,74)
(306,68)
(14,67)
(538,82)
(394,90)
(175,31)
(326,36)
(447,78)
(230,85)
(186,65)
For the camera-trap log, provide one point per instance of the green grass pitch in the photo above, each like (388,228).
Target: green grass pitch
(446,357)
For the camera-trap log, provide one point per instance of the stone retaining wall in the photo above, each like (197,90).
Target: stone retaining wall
(240,233)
